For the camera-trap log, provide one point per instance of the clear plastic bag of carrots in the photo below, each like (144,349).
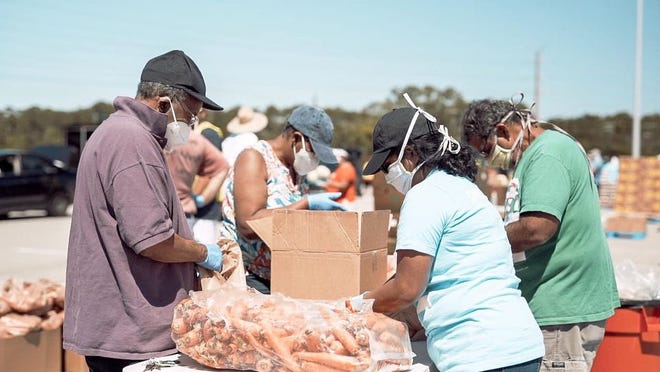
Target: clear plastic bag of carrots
(235,328)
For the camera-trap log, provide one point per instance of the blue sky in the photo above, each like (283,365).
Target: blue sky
(66,55)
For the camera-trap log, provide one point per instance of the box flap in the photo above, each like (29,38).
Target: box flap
(374,226)
(315,231)
(323,231)
(263,227)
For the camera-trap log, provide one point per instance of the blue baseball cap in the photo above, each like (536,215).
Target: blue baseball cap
(316,125)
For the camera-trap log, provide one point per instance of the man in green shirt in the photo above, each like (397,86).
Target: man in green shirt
(552,217)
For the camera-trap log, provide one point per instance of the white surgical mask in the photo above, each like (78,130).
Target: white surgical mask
(399,177)
(500,157)
(304,161)
(177,132)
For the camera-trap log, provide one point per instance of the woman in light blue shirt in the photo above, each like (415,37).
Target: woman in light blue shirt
(454,261)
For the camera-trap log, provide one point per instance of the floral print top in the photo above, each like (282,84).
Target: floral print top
(281,192)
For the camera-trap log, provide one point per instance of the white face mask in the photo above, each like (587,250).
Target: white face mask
(399,177)
(304,161)
(500,157)
(177,132)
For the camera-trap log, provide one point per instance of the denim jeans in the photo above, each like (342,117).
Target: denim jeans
(533,365)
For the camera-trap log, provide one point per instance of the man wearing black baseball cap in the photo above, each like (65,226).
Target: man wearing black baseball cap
(132,255)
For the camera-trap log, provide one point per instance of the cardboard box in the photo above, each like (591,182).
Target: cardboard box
(626,223)
(74,362)
(37,351)
(325,254)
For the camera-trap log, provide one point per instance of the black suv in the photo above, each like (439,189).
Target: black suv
(30,181)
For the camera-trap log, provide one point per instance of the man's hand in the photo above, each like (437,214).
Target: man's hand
(213,260)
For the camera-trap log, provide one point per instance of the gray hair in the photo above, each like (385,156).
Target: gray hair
(150,89)
(482,116)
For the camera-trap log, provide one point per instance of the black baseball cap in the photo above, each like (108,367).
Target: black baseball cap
(176,69)
(390,131)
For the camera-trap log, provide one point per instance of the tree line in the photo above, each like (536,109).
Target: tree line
(34,126)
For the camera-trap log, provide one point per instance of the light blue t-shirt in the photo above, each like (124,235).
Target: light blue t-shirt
(474,315)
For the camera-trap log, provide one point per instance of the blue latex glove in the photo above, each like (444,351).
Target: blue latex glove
(213,259)
(199,200)
(324,201)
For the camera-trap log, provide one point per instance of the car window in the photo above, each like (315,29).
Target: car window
(33,165)
(7,166)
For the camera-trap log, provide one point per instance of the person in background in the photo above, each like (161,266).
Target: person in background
(209,213)
(553,223)
(198,157)
(609,173)
(267,176)
(131,255)
(243,129)
(596,164)
(453,258)
(343,178)
(210,131)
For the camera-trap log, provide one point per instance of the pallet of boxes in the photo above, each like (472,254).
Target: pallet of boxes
(637,198)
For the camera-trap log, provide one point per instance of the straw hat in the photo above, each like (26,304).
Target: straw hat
(247,121)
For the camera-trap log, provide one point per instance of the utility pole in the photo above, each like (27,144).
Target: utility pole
(537,84)
(637,118)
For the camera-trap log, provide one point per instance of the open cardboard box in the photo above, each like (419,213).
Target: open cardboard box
(325,254)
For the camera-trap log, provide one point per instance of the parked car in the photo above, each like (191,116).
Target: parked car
(69,155)
(30,181)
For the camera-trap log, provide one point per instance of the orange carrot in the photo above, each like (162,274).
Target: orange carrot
(341,362)
(340,333)
(179,326)
(346,339)
(312,340)
(191,338)
(280,349)
(317,367)
(337,348)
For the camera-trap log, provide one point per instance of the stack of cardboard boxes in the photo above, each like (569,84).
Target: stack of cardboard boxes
(637,197)
(638,189)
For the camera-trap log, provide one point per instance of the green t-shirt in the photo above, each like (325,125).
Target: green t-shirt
(570,278)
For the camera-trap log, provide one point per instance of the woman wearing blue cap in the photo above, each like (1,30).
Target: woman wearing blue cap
(267,176)
(454,261)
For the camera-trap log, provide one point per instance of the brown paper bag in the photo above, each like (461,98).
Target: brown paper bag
(232,272)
